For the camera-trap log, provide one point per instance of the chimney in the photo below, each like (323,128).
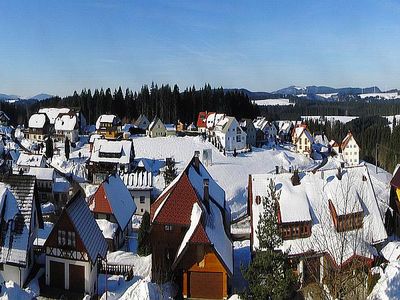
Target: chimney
(196,160)
(206,194)
(277,169)
(339,174)
(295,178)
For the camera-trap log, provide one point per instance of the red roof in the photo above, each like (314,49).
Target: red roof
(176,203)
(202,119)
(98,203)
(199,235)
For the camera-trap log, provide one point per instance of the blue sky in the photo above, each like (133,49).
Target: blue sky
(61,46)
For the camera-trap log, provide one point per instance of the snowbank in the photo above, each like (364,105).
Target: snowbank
(141,264)
(388,286)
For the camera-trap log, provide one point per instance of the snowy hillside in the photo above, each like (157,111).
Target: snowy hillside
(341,119)
(273,102)
(385,96)
(230,172)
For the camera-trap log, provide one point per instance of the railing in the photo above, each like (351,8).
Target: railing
(113,269)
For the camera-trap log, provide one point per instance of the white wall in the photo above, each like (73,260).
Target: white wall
(351,154)
(141,207)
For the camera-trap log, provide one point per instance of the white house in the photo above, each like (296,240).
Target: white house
(38,127)
(44,181)
(66,125)
(26,161)
(330,217)
(140,185)
(229,133)
(20,219)
(303,140)
(350,150)
(213,119)
(156,128)
(73,248)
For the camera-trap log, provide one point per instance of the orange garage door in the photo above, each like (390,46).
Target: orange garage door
(206,285)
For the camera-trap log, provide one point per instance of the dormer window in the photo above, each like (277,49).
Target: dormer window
(346,222)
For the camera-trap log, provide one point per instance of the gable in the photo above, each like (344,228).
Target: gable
(98,203)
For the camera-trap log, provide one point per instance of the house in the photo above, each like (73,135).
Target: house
(21,218)
(392,218)
(190,234)
(180,126)
(113,207)
(110,156)
(327,219)
(156,128)
(61,188)
(26,161)
(213,119)
(334,146)
(170,129)
(202,120)
(54,112)
(266,131)
(350,150)
(73,249)
(4,119)
(44,182)
(230,135)
(66,125)
(248,127)
(140,185)
(11,157)
(284,130)
(38,127)
(142,122)
(303,140)
(191,127)
(109,126)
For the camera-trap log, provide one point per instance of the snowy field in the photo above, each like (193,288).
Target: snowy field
(385,96)
(327,96)
(341,119)
(273,102)
(231,173)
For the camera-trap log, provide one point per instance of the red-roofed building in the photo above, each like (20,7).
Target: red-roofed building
(190,235)
(202,120)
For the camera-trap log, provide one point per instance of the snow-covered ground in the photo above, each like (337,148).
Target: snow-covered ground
(341,119)
(386,96)
(391,119)
(327,96)
(272,102)
(231,173)
(388,286)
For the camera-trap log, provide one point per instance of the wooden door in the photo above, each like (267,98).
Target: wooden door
(76,278)
(57,274)
(206,285)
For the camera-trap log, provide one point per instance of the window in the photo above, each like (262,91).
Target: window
(141,210)
(66,238)
(61,237)
(142,199)
(71,239)
(168,227)
(238,138)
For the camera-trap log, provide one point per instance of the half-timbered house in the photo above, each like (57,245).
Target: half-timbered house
(109,126)
(73,249)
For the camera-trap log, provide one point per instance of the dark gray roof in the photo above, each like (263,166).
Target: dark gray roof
(15,239)
(86,227)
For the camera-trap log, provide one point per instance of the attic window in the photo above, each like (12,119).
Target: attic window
(258,200)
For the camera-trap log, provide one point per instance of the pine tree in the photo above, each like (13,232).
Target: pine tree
(269,275)
(170,171)
(144,247)
(49,148)
(67,147)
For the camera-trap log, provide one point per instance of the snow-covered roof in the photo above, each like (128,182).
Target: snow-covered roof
(318,189)
(138,180)
(86,227)
(321,139)
(61,185)
(226,123)
(261,123)
(66,122)
(118,197)
(170,127)
(346,140)
(93,137)
(17,200)
(122,147)
(53,112)
(107,228)
(37,121)
(112,119)
(391,252)
(213,119)
(300,130)
(31,160)
(42,173)
(154,122)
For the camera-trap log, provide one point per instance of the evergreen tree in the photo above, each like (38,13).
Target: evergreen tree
(49,148)
(67,147)
(144,247)
(269,275)
(170,171)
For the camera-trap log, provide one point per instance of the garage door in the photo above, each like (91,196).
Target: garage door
(57,274)
(76,278)
(206,285)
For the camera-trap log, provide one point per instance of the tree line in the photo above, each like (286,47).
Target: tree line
(165,102)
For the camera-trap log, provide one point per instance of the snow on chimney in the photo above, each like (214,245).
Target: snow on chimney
(206,194)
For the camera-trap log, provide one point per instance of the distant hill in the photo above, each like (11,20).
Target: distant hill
(41,97)
(8,97)
(314,90)
(252,95)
